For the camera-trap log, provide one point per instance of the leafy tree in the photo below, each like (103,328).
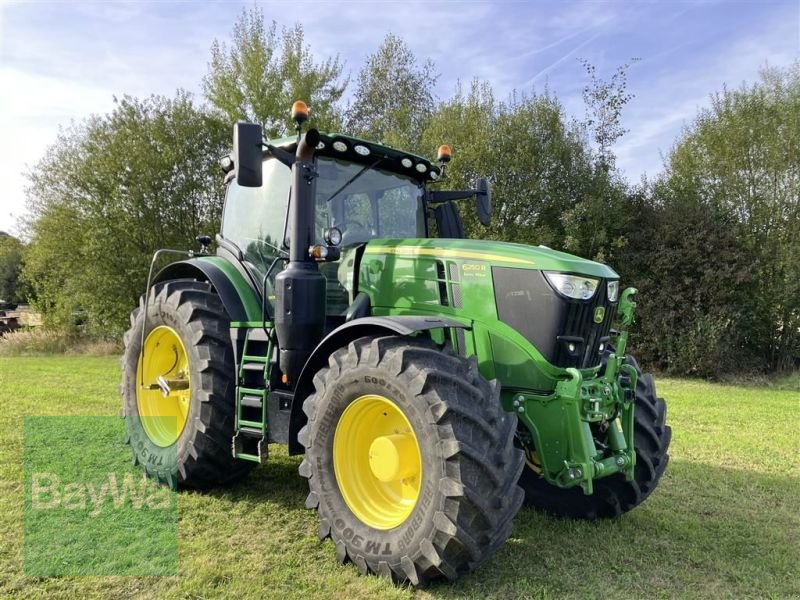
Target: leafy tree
(108,193)
(464,122)
(261,73)
(393,95)
(740,162)
(596,226)
(540,164)
(604,102)
(541,168)
(11,251)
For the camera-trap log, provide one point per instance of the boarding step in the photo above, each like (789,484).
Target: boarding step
(257,334)
(250,365)
(251,401)
(253,373)
(251,431)
(250,443)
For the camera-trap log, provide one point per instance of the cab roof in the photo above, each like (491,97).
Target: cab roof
(353,149)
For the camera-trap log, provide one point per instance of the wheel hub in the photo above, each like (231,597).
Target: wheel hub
(391,457)
(377,461)
(163,387)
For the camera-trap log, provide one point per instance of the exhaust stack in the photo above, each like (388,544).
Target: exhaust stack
(300,287)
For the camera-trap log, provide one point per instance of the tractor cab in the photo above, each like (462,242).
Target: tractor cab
(362,195)
(361,191)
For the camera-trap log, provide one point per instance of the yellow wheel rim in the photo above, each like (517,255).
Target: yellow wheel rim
(162,384)
(377,462)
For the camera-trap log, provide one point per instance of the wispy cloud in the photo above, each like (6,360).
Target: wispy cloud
(675,91)
(560,60)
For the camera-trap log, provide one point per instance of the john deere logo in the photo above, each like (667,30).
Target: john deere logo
(599,314)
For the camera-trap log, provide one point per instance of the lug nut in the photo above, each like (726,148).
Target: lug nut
(620,461)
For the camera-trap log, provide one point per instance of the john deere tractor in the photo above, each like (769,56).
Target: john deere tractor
(434,383)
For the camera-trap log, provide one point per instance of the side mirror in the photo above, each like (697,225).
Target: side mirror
(247,153)
(483,201)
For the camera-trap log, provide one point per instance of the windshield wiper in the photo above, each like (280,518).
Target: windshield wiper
(354,177)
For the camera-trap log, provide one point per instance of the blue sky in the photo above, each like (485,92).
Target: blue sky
(61,61)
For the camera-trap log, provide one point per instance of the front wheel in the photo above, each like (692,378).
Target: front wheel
(178,393)
(612,495)
(410,460)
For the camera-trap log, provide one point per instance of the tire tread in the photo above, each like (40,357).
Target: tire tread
(208,462)
(479,491)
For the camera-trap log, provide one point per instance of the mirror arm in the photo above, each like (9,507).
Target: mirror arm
(438,197)
(287,158)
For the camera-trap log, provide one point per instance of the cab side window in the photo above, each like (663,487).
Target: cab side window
(255,218)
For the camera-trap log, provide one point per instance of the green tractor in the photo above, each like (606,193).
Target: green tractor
(434,384)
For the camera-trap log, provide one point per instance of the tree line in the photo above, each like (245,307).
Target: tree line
(712,242)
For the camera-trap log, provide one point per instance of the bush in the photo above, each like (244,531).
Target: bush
(695,284)
(724,250)
(39,341)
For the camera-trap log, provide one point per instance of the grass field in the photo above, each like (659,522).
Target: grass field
(724,523)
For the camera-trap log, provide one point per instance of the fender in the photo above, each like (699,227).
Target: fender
(240,299)
(341,336)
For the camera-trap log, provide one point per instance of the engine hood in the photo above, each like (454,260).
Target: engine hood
(492,252)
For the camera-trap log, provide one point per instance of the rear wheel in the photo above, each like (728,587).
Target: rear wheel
(612,495)
(410,460)
(178,400)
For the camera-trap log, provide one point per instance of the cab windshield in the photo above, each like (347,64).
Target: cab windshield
(378,204)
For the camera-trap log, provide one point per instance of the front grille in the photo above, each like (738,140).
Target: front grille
(579,323)
(527,302)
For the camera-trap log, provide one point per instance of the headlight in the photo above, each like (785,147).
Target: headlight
(332,236)
(613,290)
(572,286)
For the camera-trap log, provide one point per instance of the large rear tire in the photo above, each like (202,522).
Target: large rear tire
(444,499)
(613,495)
(182,438)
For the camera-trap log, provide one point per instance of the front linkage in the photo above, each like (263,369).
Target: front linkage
(584,430)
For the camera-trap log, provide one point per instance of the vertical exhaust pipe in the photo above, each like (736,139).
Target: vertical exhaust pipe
(300,287)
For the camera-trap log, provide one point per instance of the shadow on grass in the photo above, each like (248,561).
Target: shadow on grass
(276,481)
(705,531)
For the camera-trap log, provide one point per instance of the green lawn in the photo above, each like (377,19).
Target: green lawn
(725,522)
